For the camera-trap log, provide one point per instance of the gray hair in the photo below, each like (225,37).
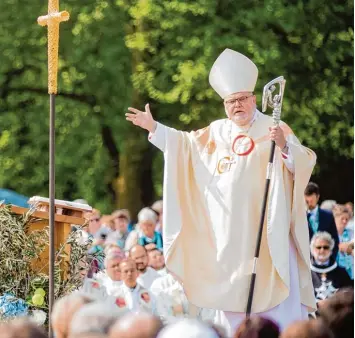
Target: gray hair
(112,255)
(147,214)
(325,236)
(328,205)
(96,317)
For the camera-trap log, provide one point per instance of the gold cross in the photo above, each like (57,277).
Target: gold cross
(52,20)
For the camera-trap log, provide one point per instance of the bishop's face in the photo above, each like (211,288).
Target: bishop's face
(240,107)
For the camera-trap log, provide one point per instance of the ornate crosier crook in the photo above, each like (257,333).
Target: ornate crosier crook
(52,21)
(275,102)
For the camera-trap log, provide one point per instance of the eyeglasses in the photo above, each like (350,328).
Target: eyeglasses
(325,247)
(241,101)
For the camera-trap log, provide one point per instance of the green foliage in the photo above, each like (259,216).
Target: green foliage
(70,266)
(18,250)
(112,51)
(21,248)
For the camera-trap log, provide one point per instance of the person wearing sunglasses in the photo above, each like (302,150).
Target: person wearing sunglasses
(327,276)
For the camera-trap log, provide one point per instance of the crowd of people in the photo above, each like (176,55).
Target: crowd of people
(82,316)
(128,292)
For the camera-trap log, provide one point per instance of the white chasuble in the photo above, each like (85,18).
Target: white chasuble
(135,299)
(214,181)
(148,277)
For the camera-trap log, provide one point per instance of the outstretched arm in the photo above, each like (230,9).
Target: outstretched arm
(143,119)
(158,133)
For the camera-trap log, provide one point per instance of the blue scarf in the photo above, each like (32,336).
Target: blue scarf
(343,259)
(157,240)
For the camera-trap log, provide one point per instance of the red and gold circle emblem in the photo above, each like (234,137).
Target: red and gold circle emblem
(243,145)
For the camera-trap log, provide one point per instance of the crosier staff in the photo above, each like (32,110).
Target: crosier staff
(52,21)
(275,102)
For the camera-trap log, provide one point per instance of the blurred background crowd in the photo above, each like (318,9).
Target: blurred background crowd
(127,291)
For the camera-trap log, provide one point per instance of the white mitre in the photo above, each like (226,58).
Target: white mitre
(233,72)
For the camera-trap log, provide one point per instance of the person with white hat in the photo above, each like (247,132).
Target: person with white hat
(213,191)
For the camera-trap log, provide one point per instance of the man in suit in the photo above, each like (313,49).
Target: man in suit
(319,219)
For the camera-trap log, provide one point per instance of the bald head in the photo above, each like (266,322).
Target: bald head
(21,328)
(63,311)
(137,250)
(141,325)
(139,254)
(95,317)
(129,272)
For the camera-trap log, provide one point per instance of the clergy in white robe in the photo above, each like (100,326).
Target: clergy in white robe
(94,289)
(147,275)
(163,272)
(130,293)
(214,183)
(169,292)
(97,292)
(111,276)
(156,261)
(172,301)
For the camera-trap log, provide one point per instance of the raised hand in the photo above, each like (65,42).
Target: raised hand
(143,119)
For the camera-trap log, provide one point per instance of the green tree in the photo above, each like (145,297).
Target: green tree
(309,42)
(94,88)
(116,53)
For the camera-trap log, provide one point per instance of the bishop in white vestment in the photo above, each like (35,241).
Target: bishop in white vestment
(214,182)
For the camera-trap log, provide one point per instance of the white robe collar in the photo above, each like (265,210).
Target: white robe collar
(325,270)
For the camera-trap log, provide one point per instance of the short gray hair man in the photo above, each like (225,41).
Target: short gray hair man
(113,254)
(328,205)
(322,235)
